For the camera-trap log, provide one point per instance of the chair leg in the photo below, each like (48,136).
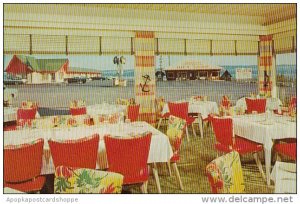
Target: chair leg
(169,168)
(194,133)
(155,173)
(174,165)
(277,156)
(144,187)
(258,163)
(200,126)
(159,122)
(187,133)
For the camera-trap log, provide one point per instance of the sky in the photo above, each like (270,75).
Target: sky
(106,62)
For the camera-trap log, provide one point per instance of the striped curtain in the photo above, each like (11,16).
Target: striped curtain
(266,70)
(145,88)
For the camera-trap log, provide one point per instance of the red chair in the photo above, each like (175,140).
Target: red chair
(81,153)
(258,105)
(133,112)
(129,156)
(78,111)
(227,142)
(287,149)
(180,110)
(293,101)
(22,166)
(24,116)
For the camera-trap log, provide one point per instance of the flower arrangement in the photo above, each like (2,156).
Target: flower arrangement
(77,103)
(28,104)
(199,98)
(130,101)
(72,122)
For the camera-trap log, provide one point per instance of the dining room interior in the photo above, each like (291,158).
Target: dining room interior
(162,98)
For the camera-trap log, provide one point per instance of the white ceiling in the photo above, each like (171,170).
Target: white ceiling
(266,13)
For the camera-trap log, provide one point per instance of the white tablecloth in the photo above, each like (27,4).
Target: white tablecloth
(160,148)
(10,114)
(105,109)
(8,190)
(201,107)
(256,128)
(285,177)
(272,104)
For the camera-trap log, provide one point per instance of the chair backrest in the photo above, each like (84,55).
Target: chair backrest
(258,105)
(175,132)
(23,162)
(133,112)
(225,174)
(26,114)
(92,181)
(159,105)
(78,111)
(129,156)
(223,129)
(293,101)
(81,153)
(179,110)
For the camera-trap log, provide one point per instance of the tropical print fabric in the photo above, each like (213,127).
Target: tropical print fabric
(175,132)
(80,180)
(77,104)
(226,174)
(159,105)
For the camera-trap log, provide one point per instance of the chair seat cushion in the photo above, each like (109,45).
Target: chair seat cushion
(190,120)
(130,178)
(287,149)
(242,146)
(175,157)
(28,186)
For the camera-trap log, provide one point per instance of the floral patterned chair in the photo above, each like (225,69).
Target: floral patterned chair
(159,105)
(175,132)
(181,110)
(82,180)
(225,174)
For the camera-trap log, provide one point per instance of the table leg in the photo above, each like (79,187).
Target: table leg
(268,164)
(200,125)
